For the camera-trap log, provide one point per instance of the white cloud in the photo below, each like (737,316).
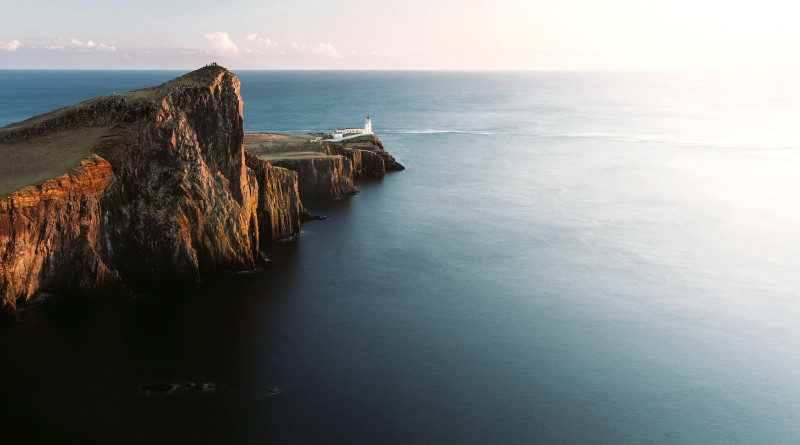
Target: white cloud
(54,47)
(81,44)
(10,46)
(221,43)
(263,40)
(327,49)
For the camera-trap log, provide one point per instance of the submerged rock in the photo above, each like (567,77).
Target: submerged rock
(171,388)
(273,391)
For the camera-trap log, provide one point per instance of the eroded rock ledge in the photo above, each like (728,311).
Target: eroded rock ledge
(168,193)
(325,169)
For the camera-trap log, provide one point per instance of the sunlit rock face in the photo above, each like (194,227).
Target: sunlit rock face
(277,202)
(50,234)
(168,196)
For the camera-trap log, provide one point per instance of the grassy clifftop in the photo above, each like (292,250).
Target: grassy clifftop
(51,144)
(41,158)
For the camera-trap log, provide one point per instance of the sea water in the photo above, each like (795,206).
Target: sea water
(569,257)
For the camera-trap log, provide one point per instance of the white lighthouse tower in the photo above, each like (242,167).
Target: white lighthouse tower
(352,132)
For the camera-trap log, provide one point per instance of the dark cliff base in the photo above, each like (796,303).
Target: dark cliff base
(153,187)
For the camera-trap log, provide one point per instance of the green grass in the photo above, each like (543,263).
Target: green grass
(41,158)
(198,78)
(291,155)
(276,145)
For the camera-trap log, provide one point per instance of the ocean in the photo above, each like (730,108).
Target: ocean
(569,257)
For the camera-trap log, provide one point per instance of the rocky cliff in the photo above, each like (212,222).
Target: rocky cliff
(332,172)
(278,205)
(371,144)
(322,177)
(365,163)
(167,194)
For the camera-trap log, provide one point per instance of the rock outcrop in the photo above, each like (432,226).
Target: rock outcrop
(278,203)
(365,162)
(167,194)
(44,230)
(322,177)
(332,173)
(372,143)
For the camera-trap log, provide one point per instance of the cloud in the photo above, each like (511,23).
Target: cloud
(54,47)
(81,44)
(327,49)
(221,43)
(263,40)
(10,46)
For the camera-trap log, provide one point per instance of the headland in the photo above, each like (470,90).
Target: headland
(121,193)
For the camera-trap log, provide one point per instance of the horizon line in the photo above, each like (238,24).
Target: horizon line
(509,70)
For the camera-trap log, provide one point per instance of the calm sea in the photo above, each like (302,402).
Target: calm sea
(568,258)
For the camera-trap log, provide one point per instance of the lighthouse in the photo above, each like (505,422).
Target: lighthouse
(353,132)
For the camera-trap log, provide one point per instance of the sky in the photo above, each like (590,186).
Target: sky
(402,34)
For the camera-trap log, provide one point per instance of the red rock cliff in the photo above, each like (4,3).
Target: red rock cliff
(167,195)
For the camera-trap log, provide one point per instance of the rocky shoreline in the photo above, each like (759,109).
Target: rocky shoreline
(168,194)
(328,169)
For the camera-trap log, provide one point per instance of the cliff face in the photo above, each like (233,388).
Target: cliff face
(333,175)
(168,194)
(371,143)
(365,163)
(278,204)
(44,229)
(322,177)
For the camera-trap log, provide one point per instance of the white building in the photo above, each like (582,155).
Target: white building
(339,134)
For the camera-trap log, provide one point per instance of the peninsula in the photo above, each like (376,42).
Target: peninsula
(326,166)
(125,192)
